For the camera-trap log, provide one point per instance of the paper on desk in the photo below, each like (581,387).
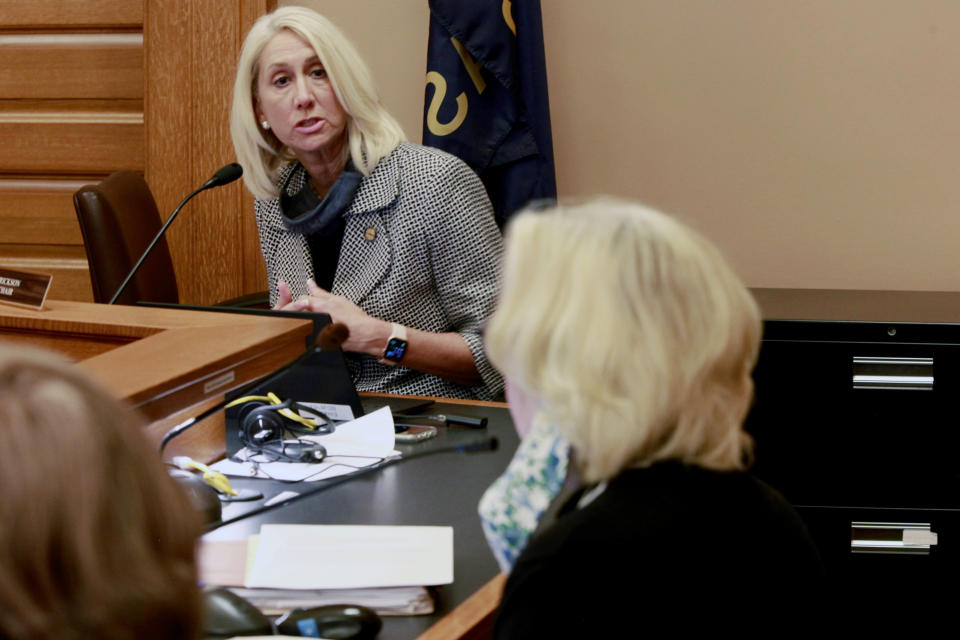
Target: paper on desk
(222,562)
(225,563)
(360,443)
(291,556)
(338,412)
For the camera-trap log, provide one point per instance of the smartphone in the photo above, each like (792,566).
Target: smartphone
(407,433)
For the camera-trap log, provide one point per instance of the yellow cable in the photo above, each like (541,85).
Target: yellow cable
(213,478)
(272,398)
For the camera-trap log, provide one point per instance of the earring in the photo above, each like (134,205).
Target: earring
(265,125)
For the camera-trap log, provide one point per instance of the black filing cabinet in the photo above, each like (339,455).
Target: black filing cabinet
(856,423)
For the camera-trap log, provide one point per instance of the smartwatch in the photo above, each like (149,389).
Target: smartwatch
(396,345)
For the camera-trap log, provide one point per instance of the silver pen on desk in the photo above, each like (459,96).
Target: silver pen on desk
(445,419)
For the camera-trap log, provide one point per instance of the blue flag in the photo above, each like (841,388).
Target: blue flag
(486,97)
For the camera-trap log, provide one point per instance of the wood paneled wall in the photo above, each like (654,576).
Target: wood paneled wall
(71,111)
(192,50)
(89,87)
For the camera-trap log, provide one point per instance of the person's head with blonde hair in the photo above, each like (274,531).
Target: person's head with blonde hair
(632,332)
(371,131)
(96,539)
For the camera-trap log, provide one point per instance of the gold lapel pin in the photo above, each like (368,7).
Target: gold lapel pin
(370,234)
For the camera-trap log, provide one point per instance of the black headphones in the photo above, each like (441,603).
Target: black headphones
(263,426)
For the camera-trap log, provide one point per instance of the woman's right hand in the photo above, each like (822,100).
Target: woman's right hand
(367,334)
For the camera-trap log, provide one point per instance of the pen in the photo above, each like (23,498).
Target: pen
(445,419)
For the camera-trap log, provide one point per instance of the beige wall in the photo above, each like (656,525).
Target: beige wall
(817,142)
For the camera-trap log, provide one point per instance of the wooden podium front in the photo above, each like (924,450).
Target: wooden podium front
(165,362)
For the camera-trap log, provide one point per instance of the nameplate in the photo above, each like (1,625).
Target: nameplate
(24,289)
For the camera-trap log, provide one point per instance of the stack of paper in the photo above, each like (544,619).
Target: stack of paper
(286,566)
(386,601)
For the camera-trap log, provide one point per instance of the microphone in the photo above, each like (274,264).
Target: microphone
(224,176)
(489,443)
(333,336)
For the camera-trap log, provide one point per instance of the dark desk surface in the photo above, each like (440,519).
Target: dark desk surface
(441,489)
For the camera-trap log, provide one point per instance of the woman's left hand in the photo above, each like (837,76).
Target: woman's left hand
(367,334)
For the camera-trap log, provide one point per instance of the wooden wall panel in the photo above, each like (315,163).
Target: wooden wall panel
(67,265)
(89,87)
(41,233)
(71,112)
(188,138)
(75,65)
(254,269)
(71,13)
(65,142)
(40,211)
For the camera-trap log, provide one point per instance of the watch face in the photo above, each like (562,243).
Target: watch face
(395,349)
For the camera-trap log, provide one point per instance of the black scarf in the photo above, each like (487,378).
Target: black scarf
(306,214)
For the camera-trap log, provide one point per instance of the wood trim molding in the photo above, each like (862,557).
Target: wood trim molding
(472,403)
(473,619)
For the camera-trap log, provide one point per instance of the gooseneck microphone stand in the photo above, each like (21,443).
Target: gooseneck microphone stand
(224,176)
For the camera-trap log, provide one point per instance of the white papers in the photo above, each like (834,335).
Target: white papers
(225,563)
(222,562)
(360,443)
(338,412)
(293,556)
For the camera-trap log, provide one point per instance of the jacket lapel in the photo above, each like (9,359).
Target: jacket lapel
(366,252)
(290,250)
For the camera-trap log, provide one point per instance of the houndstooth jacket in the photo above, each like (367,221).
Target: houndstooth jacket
(420,248)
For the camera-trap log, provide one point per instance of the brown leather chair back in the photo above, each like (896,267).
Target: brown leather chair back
(118,219)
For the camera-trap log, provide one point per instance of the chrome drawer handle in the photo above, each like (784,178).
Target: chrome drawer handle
(892,537)
(913,374)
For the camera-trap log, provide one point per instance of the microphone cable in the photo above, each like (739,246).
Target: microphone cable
(223,176)
(490,443)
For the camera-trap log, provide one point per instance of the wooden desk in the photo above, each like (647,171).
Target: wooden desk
(163,361)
